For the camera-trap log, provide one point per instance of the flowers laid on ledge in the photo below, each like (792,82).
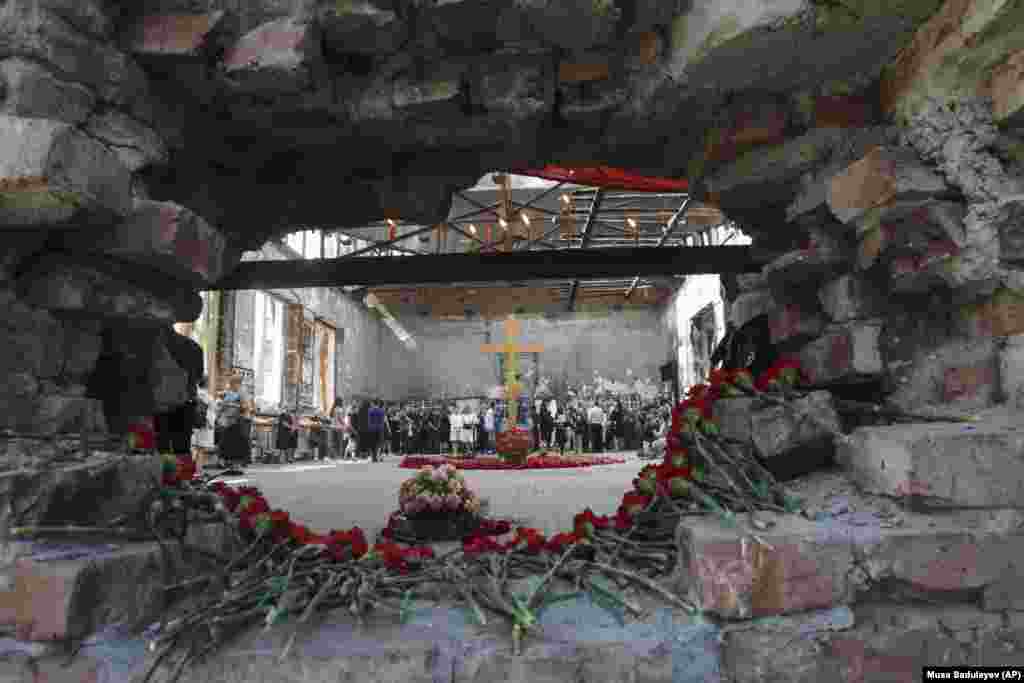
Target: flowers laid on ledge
(340,569)
(176,469)
(536,462)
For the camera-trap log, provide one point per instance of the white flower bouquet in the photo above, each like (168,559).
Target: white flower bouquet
(435,492)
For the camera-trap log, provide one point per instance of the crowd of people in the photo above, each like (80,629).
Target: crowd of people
(372,429)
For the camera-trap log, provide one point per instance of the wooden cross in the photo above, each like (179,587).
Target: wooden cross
(512,350)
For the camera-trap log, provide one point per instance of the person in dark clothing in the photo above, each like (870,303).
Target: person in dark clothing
(616,427)
(582,431)
(363,420)
(547,424)
(562,428)
(375,429)
(395,424)
(174,428)
(535,420)
(750,347)
(354,433)
(445,430)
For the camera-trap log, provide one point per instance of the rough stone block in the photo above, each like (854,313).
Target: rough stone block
(957,371)
(31,91)
(513,86)
(943,464)
(55,34)
(856,552)
(80,285)
(1011,230)
(62,414)
(365,28)
(95,491)
(1011,372)
(764,124)
(278,57)
(1000,315)
(584,27)
(843,352)
(82,347)
(1006,593)
(1007,88)
(884,175)
(168,238)
(873,642)
(763,171)
(748,305)
(177,35)
(62,592)
(797,268)
(775,431)
(843,111)
(439,88)
(53,174)
(136,144)
(916,273)
(851,297)
(794,323)
(908,218)
(171,389)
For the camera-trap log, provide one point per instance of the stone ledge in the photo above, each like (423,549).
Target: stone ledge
(845,351)
(71,591)
(166,237)
(89,493)
(869,643)
(942,464)
(579,642)
(857,547)
(773,431)
(95,286)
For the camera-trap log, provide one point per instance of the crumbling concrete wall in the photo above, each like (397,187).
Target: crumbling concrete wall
(369,359)
(623,346)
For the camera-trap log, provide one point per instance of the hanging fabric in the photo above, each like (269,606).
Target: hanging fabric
(608,177)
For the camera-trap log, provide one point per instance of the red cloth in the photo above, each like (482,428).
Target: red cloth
(144,433)
(605,176)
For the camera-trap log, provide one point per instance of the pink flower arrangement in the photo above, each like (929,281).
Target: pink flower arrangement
(437,490)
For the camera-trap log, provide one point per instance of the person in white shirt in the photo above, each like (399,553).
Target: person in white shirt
(489,429)
(595,416)
(469,420)
(202,441)
(454,429)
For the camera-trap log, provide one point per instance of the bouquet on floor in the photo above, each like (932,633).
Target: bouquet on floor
(437,491)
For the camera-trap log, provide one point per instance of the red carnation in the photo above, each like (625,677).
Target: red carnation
(586,522)
(560,542)
(359,545)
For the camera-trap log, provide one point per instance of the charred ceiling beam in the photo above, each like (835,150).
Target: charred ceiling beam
(588,228)
(520,266)
(669,229)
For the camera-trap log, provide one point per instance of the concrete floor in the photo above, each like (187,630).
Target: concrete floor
(345,494)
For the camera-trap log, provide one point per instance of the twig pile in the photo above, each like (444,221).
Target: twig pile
(286,572)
